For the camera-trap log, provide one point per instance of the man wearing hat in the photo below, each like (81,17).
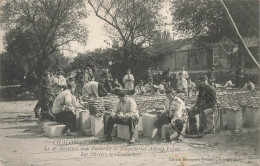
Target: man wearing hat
(124,112)
(174,111)
(128,80)
(206,99)
(139,89)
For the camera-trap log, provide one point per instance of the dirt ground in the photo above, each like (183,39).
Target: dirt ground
(23,143)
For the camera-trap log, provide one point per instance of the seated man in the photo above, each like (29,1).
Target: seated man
(229,84)
(116,86)
(101,88)
(150,87)
(249,85)
(125,112)
(139,89)
(174,115)
(206,99)
(64,107)
(90,89)
(161,88)
(182,84)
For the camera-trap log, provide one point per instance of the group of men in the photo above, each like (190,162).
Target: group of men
(59,102)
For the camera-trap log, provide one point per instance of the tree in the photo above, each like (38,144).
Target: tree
(51,24)
(206,20)
(129,23)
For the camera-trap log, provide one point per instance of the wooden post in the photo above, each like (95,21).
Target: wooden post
(238,34)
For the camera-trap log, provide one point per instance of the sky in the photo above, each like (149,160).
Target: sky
(97,34)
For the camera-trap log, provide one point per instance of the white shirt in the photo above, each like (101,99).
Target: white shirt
(139,89)
(128,80)
(192,86)
(161,88)
(128,107)
(182,83)
(64,99)
(229,84)
(90,89)
(175,108)
(249,86)
(184,74)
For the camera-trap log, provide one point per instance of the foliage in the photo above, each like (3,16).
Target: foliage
(46,27)
(207,19)
(129,23)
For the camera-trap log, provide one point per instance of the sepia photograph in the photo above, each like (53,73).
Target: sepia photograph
(129,82)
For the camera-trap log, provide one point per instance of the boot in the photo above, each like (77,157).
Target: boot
(167,137)
(107,139)
(132,139)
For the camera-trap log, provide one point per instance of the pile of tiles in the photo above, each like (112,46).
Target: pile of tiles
(96,107)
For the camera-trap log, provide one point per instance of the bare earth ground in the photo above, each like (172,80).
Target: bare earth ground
(23,143)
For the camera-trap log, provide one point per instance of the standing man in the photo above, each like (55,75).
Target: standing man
(64,108)
(206,99)
(128,80)
(174,115)
(183,72)
(149,75)
(90,90)
(182,84)
(212,76)
(124,112)
(43,107)
(108,79)
(86,76)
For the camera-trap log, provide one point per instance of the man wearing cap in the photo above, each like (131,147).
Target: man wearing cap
(206,99)
(64,108)
(124,112)
(139,89)
(58,83)
(150,87)
(128,80)
(90,89)
(108,80)
(174,115)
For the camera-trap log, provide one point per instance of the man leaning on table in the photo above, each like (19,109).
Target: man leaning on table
(125,112)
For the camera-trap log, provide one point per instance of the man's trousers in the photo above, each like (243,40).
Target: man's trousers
(131,122)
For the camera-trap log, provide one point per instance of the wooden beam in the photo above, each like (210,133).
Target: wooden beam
(238,34)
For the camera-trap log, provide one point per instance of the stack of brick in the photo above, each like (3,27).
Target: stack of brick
(96,107)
